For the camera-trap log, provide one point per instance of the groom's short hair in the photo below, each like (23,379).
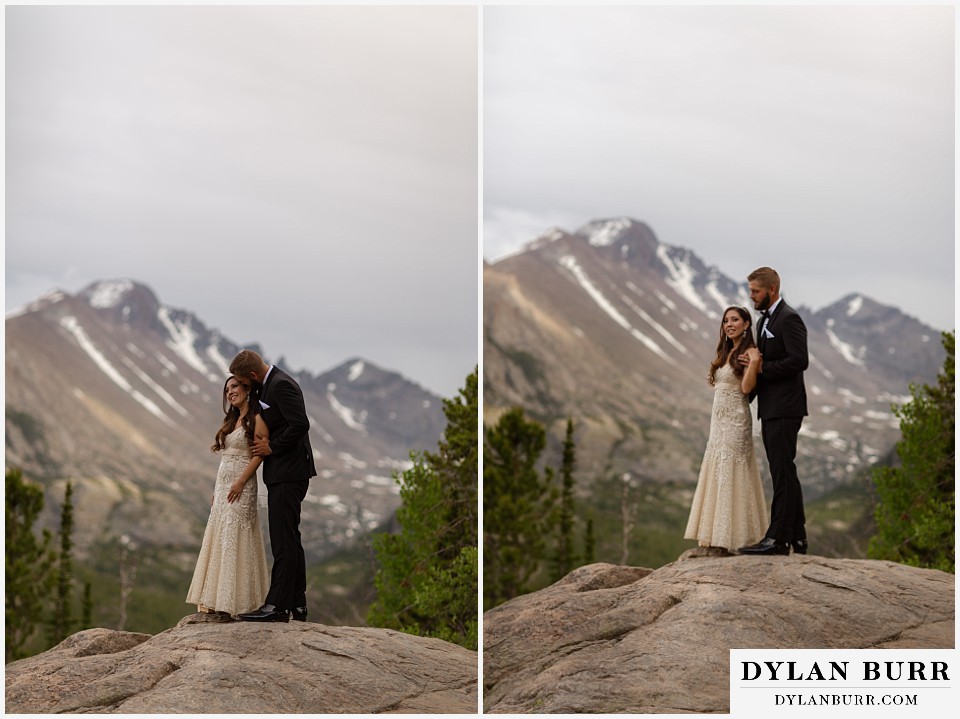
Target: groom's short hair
(766,276)
(245,362)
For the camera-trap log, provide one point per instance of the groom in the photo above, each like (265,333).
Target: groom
(287,468)
(781,407)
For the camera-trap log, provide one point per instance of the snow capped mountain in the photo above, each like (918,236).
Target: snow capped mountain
(122,394)
(616,329)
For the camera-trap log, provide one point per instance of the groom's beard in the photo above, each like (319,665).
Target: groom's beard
(763,304)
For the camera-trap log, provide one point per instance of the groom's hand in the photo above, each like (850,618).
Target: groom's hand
(260,447)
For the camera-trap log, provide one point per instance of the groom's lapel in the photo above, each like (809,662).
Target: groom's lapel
(263,390)
(775,316)
(771,324)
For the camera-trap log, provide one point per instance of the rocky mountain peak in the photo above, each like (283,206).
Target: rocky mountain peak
(629,239)
(123,301)
(856,308)
(104,294)
(357,369)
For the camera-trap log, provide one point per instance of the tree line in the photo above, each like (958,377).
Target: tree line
(426,579)
(529,524)
(916,500)
(39,581)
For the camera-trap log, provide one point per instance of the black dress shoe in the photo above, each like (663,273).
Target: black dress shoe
(799,546)
(767,545)
(299,614)
(266,613)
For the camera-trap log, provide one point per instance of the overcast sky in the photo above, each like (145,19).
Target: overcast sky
(302,177)
(816,140)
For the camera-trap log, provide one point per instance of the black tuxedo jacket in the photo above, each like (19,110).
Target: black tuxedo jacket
(291,457)
(780,389)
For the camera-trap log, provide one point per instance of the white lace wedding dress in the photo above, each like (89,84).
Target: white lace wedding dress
(728,509)
(231,574)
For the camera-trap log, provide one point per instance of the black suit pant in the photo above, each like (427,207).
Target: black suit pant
(288,578)
(787,520)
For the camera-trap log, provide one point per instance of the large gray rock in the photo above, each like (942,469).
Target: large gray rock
(613,639)
(201,666)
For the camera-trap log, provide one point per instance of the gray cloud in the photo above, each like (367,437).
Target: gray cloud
(302,176)
(818,140)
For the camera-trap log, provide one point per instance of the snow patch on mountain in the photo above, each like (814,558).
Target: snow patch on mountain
(714,293)
(604,234)
(219,361)
(571,264)
(160,391)
(71,324)
(817,364)
(890,398)
(670,305)
(855,305)
(847,351)
(851,396)
(183,342)
(401,465)
(356,369)
(346,414)
(681,280)
(660,329)
(315,425)
(832,437)
(107,294)
(885,417)
(351,461)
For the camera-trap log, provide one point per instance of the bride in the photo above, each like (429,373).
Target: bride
(728,509)
(231,574)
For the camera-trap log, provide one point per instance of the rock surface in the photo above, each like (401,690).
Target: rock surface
(613,639)
(203,667)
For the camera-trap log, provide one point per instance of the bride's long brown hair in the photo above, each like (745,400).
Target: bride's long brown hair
(231,414)
(726,352)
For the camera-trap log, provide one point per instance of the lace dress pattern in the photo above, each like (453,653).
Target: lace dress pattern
(728,508)
(231,574)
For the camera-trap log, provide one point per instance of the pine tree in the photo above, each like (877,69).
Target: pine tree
(427,575)
(518,507)
(61,621)
(28,579)
(86,608)
(566,558)
(915,511)
(457,467)
(589,544)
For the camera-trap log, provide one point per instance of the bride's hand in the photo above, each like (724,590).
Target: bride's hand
(753,356)
(236,489)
